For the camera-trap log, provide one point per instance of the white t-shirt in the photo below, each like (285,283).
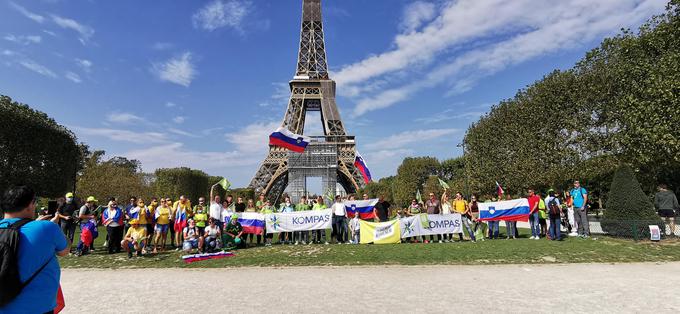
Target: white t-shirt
(211,231)
(339,209)
(446,208)
(226,214)
(216,211)
(355,224)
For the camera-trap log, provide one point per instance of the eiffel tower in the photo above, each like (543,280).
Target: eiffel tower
(329,156)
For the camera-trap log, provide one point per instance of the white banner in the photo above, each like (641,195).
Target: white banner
(425,224)
(298,221)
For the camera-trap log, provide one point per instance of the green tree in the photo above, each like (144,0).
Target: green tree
(411,175)
(174,182)
(111,178)
(629,210)
(382,187)
(35,150)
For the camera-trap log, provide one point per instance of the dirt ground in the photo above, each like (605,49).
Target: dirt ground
(563,288)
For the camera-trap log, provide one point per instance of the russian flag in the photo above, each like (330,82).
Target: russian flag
(117,217)
(282,137)
(499,189)
(361,166)
(512,210)
(205,256)
(252,222)
(363,207)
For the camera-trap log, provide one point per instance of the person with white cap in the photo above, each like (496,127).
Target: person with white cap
(68,214)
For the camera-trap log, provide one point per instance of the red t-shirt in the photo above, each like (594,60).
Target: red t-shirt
(533,201)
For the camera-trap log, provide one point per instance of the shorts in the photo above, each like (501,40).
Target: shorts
(190,244)
(666,213)
(162,228)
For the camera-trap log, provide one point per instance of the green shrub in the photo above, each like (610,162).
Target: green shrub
(629,211)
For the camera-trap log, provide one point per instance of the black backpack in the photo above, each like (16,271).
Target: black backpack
(10,284)
(553,208)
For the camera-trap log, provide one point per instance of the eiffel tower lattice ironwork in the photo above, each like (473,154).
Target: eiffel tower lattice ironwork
(330,156)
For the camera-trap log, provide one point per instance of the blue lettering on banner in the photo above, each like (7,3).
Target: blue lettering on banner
(443,224)
(311,219)
(379,232)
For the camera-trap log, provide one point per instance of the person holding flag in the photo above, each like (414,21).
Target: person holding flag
(112,218)
(183,213)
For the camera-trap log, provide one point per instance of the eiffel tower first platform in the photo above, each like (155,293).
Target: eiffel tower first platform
(329,156)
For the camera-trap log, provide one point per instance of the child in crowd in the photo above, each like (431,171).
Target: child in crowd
(355,226)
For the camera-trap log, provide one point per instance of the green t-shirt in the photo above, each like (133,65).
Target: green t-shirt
(302,207)
(200,218)
(259,204)
(232,228)
(267,210)
(318,206)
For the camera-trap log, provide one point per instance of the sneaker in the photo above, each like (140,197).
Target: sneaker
(139,253)
(326,243)
(537,238)
(573,234)
(129,254)
(440,241)
(296,242)
(177,249)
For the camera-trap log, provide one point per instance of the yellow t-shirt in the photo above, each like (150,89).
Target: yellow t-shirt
(163,215)
(138,233)
(460,206)
(186,207)
(142,216)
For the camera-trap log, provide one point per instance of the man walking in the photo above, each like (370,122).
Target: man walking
(39,242)
(579,196)
(666,204)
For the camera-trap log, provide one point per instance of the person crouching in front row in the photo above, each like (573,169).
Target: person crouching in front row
(192,237)
(135,238)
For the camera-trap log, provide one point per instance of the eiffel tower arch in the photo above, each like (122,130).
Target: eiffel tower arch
(329,155)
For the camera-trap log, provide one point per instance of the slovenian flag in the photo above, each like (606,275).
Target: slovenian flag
(282,137)
(180,219)
(205,256)
(364,208)
(252,222)
(512,210)
(361,166)
(499,189)
(117,217)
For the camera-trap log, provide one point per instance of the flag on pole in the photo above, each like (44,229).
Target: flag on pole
(499,189)
(361,166)
(282,137)
(330,196)
(443,184)
(224,183)
(418,197)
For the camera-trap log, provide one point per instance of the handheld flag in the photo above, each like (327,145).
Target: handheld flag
(361,166)
(443,184)
(363,207)
(418,197)
(330,196)
(499,189)
(282,137)
(512,210)
(224,183)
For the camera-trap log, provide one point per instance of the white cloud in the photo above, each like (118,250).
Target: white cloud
(53,34)
(73,77)
(7,52)
(85,31)
(417,13)
(170,104)
(119,135)
(84,64)
(178,70)
(37,68)
(253,138)
(123,117)
(179,120)
(33,16)
(441,51)
(221,13)
(450,114)
(407,138)
(181,156)
(23,39)
(181,132)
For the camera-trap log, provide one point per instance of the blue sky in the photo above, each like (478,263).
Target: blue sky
(203,83)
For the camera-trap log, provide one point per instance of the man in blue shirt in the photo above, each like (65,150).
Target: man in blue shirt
(579,195)
(39,242)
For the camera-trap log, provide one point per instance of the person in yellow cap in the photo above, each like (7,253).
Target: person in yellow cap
(87,213)
(135,238)
(68,212)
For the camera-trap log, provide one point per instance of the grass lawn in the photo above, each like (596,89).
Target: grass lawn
(520,251)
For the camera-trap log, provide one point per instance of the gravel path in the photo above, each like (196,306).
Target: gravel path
(563,288)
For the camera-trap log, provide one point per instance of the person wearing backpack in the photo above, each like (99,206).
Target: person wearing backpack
(554,209)
(29,269)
